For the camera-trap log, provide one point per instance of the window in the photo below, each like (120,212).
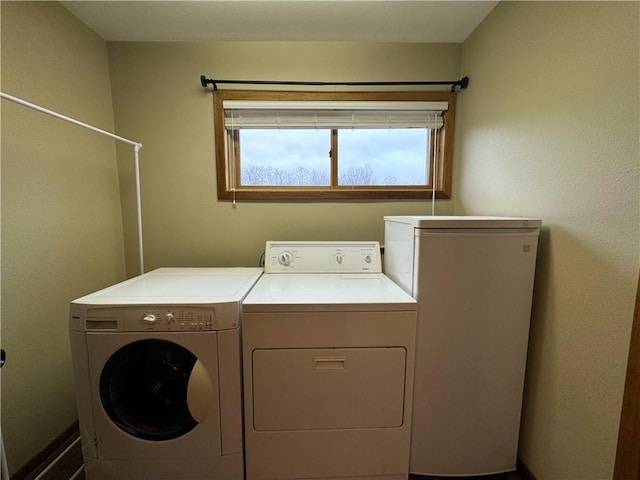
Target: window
(333,145)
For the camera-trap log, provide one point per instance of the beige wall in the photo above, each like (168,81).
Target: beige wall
(159,101)
(61,222)
(549,128)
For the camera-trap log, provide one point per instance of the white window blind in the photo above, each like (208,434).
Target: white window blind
(240,114)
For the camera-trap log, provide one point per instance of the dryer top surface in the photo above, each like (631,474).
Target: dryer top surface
(312,292)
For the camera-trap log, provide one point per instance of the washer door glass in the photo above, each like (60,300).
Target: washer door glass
(143,388)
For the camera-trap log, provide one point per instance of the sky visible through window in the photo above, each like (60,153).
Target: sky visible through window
(301,157)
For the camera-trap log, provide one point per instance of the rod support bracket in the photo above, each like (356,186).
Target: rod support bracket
(204,81)
(462,83)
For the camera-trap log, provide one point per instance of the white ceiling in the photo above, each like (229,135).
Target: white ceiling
(283,20)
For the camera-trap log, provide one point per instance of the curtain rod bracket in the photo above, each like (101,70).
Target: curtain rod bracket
(462,83)
(204,81)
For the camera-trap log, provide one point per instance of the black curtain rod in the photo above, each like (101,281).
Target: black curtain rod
(462,83)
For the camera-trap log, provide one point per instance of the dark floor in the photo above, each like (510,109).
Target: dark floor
(68,467)
(502,476)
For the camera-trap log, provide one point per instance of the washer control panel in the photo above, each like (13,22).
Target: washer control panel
(177,318)
(159,318)
(323,257)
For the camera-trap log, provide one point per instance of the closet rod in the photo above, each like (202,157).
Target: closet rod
(136,148)
(204,81)
(65,118)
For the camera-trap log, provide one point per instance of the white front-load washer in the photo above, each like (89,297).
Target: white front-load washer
(328,358)
(157,370)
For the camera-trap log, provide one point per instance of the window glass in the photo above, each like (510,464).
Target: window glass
(292,157)
(383,156)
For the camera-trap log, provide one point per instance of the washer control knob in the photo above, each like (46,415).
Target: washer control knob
(149,318)
(339,258)
(285,258)
(367,258)
(169,316)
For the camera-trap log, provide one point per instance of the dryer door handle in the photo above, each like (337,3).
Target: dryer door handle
(330,364)
(199,392)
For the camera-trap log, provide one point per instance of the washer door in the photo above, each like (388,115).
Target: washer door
(155,389)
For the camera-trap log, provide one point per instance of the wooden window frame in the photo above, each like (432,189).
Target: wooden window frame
(225,182)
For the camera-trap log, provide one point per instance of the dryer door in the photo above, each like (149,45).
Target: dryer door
(144,387)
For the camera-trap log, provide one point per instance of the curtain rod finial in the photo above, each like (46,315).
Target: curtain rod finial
(204,81)
(462,83)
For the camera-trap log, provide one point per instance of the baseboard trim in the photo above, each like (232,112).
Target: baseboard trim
(41,460)
(523,471)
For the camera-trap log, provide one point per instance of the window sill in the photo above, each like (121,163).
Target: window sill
(336,193)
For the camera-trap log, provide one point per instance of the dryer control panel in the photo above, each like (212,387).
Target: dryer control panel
(323,257)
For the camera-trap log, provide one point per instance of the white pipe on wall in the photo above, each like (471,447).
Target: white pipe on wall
(64,117)
(136,150)
(136,147)
(3,459)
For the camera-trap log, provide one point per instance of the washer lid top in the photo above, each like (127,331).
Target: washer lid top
(178,286)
